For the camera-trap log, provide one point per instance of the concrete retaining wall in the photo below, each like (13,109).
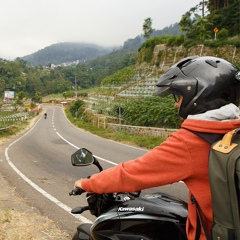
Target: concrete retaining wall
(147,131)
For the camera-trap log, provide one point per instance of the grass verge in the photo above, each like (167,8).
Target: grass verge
(147,142)
(14,130)
(27,227)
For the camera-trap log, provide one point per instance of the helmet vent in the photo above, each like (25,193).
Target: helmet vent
(212,63)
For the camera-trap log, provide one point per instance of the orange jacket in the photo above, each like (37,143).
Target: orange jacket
(182,157)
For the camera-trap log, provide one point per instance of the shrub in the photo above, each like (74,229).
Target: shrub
(75,107)
(223,34)
(152,112)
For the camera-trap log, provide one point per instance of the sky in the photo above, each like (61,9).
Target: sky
(27,26)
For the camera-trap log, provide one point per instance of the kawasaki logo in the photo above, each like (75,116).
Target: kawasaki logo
(237,75)
(130,209)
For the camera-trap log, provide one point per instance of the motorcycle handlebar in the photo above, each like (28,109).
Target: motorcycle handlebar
(76,191)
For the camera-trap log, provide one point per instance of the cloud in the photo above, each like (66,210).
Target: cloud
(28,26)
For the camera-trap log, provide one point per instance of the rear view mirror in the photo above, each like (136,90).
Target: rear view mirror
(82,157)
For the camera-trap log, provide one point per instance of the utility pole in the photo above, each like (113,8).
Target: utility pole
(203,6)
(75,87)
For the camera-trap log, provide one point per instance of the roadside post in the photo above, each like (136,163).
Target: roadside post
(215,32)
(120,112)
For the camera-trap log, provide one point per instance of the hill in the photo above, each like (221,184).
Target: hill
(66,52)
(71,52)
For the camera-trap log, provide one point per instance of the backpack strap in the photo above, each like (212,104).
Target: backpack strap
(200,221)
(210,138)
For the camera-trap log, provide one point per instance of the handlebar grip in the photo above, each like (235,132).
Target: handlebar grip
(76,191)
(79,210)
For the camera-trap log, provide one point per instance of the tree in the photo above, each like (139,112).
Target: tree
(147,28)
(21,95)
(201,27)
(186,23)
(37,97)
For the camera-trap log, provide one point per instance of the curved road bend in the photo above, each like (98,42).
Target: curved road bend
(38,165)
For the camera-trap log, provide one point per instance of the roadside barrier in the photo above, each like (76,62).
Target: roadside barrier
(14,117)
(6,128)
(10,119)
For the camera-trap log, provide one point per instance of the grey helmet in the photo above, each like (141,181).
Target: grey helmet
(206,83)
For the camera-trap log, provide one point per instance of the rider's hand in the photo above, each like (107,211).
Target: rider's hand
(78,183)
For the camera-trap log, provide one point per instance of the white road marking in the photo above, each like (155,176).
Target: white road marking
(36,187)
(40,190)
(105,160)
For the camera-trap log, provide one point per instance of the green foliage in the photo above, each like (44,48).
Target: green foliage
(68,94)
(186,23)
(152,42)
(14,128)
(21,95)
(4,124)
(226,17)
(148,47)
(201,25)
(172,30)
(147,28)
(76,107)
(120,77)
(91,73)
(145,52)
(174,41)
(37,98)
(154,112)
(11,76)
(18,76)
(120,136)
(223,42)
(223,15)
(223,34)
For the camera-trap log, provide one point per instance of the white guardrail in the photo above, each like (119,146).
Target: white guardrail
(13,118)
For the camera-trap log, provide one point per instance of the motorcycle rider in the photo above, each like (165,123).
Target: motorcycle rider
(206,93)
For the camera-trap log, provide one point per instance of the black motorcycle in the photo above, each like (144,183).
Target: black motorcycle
(129,216)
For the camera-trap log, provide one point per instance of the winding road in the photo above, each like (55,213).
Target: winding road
(38,165)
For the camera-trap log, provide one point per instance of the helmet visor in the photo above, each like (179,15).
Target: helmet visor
(163,91)
(164,84)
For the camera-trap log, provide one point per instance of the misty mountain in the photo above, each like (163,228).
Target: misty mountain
(69,52)
(66,52)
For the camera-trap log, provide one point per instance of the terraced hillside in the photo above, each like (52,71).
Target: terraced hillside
(163,58)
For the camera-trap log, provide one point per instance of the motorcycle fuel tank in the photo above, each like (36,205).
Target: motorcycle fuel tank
(149,217)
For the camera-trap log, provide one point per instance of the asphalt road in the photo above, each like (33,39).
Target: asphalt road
(38,165)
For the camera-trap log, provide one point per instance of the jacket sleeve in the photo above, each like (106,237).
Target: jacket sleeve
(168,163)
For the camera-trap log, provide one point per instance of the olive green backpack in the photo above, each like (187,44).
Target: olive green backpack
(224,175)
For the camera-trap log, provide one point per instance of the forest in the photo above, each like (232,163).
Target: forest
(219,4)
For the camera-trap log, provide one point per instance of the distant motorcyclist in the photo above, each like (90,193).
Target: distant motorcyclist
(45,115)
